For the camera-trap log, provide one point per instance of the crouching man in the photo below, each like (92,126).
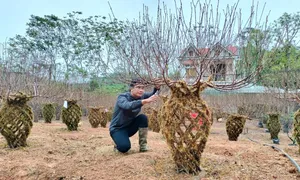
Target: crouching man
(127,121)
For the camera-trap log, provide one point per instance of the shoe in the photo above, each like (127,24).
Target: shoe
(115,149)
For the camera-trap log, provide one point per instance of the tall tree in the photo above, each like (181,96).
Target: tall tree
(283,61)
(253,45)
(42,33)
(73,42)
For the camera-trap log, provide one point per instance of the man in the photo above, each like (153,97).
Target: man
(126,120)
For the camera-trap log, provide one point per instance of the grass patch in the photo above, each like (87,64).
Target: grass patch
(113,89)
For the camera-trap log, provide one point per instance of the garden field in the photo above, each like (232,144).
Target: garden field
(53,152)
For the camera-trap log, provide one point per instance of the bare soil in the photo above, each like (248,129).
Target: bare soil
(53,152)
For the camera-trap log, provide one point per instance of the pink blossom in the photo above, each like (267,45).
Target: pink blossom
(200,121)
(193,115)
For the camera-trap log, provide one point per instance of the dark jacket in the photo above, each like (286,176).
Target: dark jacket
(126,109)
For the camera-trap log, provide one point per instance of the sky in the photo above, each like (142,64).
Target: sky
(14,14)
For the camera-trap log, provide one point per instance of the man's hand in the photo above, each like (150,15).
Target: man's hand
(151,99)
(157,86)
(156,82)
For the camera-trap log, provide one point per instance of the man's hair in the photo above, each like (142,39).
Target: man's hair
(136,81)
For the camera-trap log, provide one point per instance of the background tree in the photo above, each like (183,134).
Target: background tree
(68,49)
(285,58)
(253,46)
(282,62)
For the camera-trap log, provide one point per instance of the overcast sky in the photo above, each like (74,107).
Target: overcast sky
(14,14)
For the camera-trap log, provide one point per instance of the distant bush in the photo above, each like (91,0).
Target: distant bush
(112,89)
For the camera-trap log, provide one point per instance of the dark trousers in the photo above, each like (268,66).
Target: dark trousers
(121,136)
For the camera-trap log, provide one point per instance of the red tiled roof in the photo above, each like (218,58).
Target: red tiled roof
(230,48)
(188,62)
(204,51)
(233,49)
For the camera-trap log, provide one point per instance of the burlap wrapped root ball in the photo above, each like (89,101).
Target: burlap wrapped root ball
(153,122)
(16,120)
(274,125)
(185,122)
(106,116)
(109,114)
(48,112)
(71,115)
(296,132)
(94,116)
(234,126)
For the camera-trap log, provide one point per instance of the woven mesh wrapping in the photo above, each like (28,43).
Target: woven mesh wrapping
(16,120)
(274,125)
(296,133)
(94,116)
(71,115)
(234,126)
(186,121)
(105,117)
(48,112)
(153,120)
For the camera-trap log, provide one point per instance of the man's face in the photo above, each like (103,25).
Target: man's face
(138,90)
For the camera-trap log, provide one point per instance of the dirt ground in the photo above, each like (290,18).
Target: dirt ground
(56,153)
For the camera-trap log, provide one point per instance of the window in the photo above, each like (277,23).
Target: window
(218,71)
(229,67)
(191,53)
(191,72)
(218,52)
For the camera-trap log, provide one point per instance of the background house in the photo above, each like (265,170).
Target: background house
(218,61)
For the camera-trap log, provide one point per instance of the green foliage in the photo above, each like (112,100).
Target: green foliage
(252,52)
(282,63)
(93,85)
(286,28)
(107,85)
(113,89)
(282,68)
(79,41)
